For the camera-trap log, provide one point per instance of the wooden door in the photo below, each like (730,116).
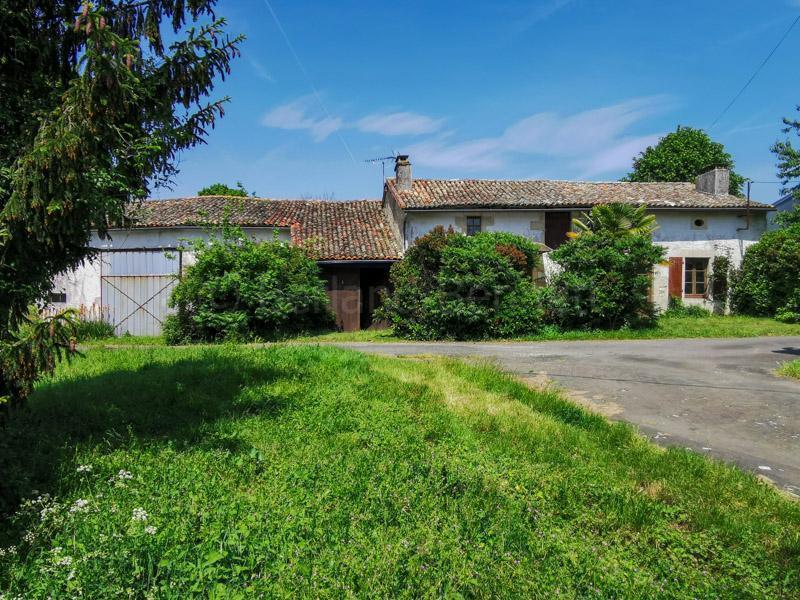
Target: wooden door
(556,227)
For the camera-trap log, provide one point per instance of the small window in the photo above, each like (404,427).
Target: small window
(473,225)
(57,297)
(696,277)
(698,223)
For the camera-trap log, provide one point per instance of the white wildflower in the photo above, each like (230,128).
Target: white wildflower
(150,530)
(29,537)
(123,474)
(47,511)
(139,514)
(80,505)
(64,561)
(84,469)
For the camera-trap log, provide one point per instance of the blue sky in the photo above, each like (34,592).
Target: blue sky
(564,89)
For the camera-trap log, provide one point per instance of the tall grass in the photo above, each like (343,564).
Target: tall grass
(790,369)
(307,471)
(92,323)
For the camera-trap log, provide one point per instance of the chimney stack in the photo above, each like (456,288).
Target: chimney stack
(717,181)
(402,170)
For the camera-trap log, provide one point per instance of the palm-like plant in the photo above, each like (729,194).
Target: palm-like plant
(616,219)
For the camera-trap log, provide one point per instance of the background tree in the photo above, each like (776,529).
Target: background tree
(789,158)
(94,106)
(220,189)
(682,156)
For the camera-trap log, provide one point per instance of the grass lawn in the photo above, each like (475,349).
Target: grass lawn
(230,472)
(668,327)
(790,369)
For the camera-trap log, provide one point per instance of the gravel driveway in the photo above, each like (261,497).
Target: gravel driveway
(716,396)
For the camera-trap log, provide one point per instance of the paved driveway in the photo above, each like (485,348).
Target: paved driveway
(715,396)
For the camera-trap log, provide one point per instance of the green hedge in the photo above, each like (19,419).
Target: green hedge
(603,281)
(451,286)
(768,282)
(239,289)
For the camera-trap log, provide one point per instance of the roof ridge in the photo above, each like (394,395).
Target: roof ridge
(465,180)
(259,198)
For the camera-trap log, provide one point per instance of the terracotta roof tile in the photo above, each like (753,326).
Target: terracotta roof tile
(351,230)
(474,193)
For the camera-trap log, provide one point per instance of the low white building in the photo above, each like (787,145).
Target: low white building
(133,273)
(696,222)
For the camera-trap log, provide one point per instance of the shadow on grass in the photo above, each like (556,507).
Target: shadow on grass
(156,402)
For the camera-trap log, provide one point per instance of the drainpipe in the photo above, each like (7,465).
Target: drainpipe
(747,213)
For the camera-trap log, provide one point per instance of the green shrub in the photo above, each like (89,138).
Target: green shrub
(790,312)
(454,286)
(767,282)
(603,282)
(239,290)
(678,309)
(91,329)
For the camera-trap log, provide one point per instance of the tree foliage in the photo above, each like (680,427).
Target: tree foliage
(603,281)
(465,287)
(220,189)
(615,219)
(239,289)
(787,218)
(681,156)
(94,106)
(768,281)
(789,158)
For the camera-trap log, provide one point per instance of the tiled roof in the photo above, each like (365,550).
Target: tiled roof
(479,193)
(352,230)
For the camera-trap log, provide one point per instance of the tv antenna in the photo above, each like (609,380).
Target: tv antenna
(383,160)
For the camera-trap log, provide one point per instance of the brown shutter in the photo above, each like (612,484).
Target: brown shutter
(676,276)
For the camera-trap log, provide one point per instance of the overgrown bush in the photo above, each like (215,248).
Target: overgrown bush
(720,282)
(677,308)
(459,287)
(91,323)
(603,281)
(767,282)
(239,289)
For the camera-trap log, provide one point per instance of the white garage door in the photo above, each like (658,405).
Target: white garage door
(135,286)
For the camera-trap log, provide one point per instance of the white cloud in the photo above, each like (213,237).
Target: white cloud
(617,157)
(301,115)
(294,115)
(594,139)
(260,70)
(541,12)
(399,123)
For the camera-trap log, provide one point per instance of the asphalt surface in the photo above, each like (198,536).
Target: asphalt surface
(716,396)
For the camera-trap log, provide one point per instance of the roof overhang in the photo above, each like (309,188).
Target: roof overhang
(484,207)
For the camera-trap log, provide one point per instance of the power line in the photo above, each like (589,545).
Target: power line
(305,74)
(758,70)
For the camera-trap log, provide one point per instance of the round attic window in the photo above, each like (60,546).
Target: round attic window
(699,223)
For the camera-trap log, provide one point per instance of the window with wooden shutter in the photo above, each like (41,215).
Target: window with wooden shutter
(696,277)
(676,276)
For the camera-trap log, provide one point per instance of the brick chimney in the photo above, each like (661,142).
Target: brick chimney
(402,170)
(717,181)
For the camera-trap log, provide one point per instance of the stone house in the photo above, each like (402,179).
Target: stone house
(356,242)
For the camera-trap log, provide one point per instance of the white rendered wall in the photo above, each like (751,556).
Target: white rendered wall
(82,285)
(720,234)
(527,223)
